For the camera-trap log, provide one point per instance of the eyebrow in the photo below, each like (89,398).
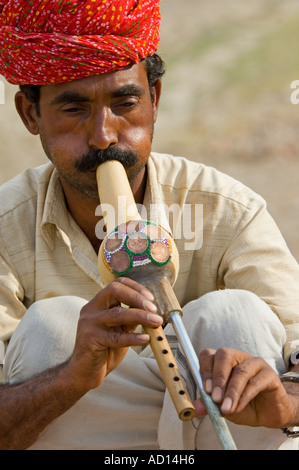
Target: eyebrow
(130,89)
(70,97)
(76,97)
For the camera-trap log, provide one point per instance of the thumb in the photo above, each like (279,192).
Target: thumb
(199,407)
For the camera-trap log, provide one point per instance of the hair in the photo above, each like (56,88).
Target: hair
(155,69)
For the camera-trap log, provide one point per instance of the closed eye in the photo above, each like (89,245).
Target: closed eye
(72,109)
(126,103)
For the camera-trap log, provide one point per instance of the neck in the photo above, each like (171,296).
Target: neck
(138,186)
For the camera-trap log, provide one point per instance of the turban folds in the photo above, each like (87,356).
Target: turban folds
(53,41)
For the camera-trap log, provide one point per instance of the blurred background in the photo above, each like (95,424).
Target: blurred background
(225,101)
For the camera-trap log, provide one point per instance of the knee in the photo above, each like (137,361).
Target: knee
(44,338)
(237,319)
(231,306)
(53,316)
(52,320)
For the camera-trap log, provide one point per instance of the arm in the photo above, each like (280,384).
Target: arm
(26,409)
(105,331)
(248,390)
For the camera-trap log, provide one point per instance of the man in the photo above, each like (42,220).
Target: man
(73,380)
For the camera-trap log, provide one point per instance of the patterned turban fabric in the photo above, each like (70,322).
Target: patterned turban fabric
(54,41)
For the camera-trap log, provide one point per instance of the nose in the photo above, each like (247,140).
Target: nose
(104,129)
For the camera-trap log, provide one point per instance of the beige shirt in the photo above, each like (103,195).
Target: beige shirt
(44,253)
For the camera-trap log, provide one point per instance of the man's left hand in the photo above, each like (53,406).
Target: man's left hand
(247,390)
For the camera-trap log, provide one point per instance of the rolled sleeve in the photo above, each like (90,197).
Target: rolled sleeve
(12,308)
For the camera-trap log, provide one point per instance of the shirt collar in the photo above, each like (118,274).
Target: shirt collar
(55,214)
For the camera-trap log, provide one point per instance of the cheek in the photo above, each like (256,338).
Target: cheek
(140,143)
(61,149)
(139,138)
(140,135)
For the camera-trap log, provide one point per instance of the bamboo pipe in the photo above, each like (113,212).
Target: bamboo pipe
(128,250)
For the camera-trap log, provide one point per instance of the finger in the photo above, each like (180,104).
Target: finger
(248,379)
(135,285)
(120,339)
(127,317)
(206,362)
(225,360)
(200,408)
(128,292)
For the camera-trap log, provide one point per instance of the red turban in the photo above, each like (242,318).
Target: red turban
(52,41)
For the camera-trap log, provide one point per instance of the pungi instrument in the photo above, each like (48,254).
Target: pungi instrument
(145,252)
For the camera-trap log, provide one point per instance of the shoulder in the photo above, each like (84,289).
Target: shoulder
(202,182)
(24,188)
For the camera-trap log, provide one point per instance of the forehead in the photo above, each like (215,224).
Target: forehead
(104,84)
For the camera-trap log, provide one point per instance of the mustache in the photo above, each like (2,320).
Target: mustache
(95,157)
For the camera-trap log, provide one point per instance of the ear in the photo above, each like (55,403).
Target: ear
(27,112)
(156,97)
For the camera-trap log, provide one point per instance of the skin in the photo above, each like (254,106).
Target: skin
(97,113)
(247,389)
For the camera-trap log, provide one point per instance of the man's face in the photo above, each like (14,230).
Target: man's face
(84,122)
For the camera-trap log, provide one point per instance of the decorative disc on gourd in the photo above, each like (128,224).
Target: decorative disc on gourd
(136,243)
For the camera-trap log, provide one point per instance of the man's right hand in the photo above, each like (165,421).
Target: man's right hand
(106,330)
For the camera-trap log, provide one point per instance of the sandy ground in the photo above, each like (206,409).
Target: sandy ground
(210,112)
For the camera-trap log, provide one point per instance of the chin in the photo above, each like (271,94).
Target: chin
(82,186)
(134,172)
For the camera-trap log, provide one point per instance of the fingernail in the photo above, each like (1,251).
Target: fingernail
(226,405)
(209,384)
(217,394)
(154,318)
(149,306)
(143,338)
(148,295)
